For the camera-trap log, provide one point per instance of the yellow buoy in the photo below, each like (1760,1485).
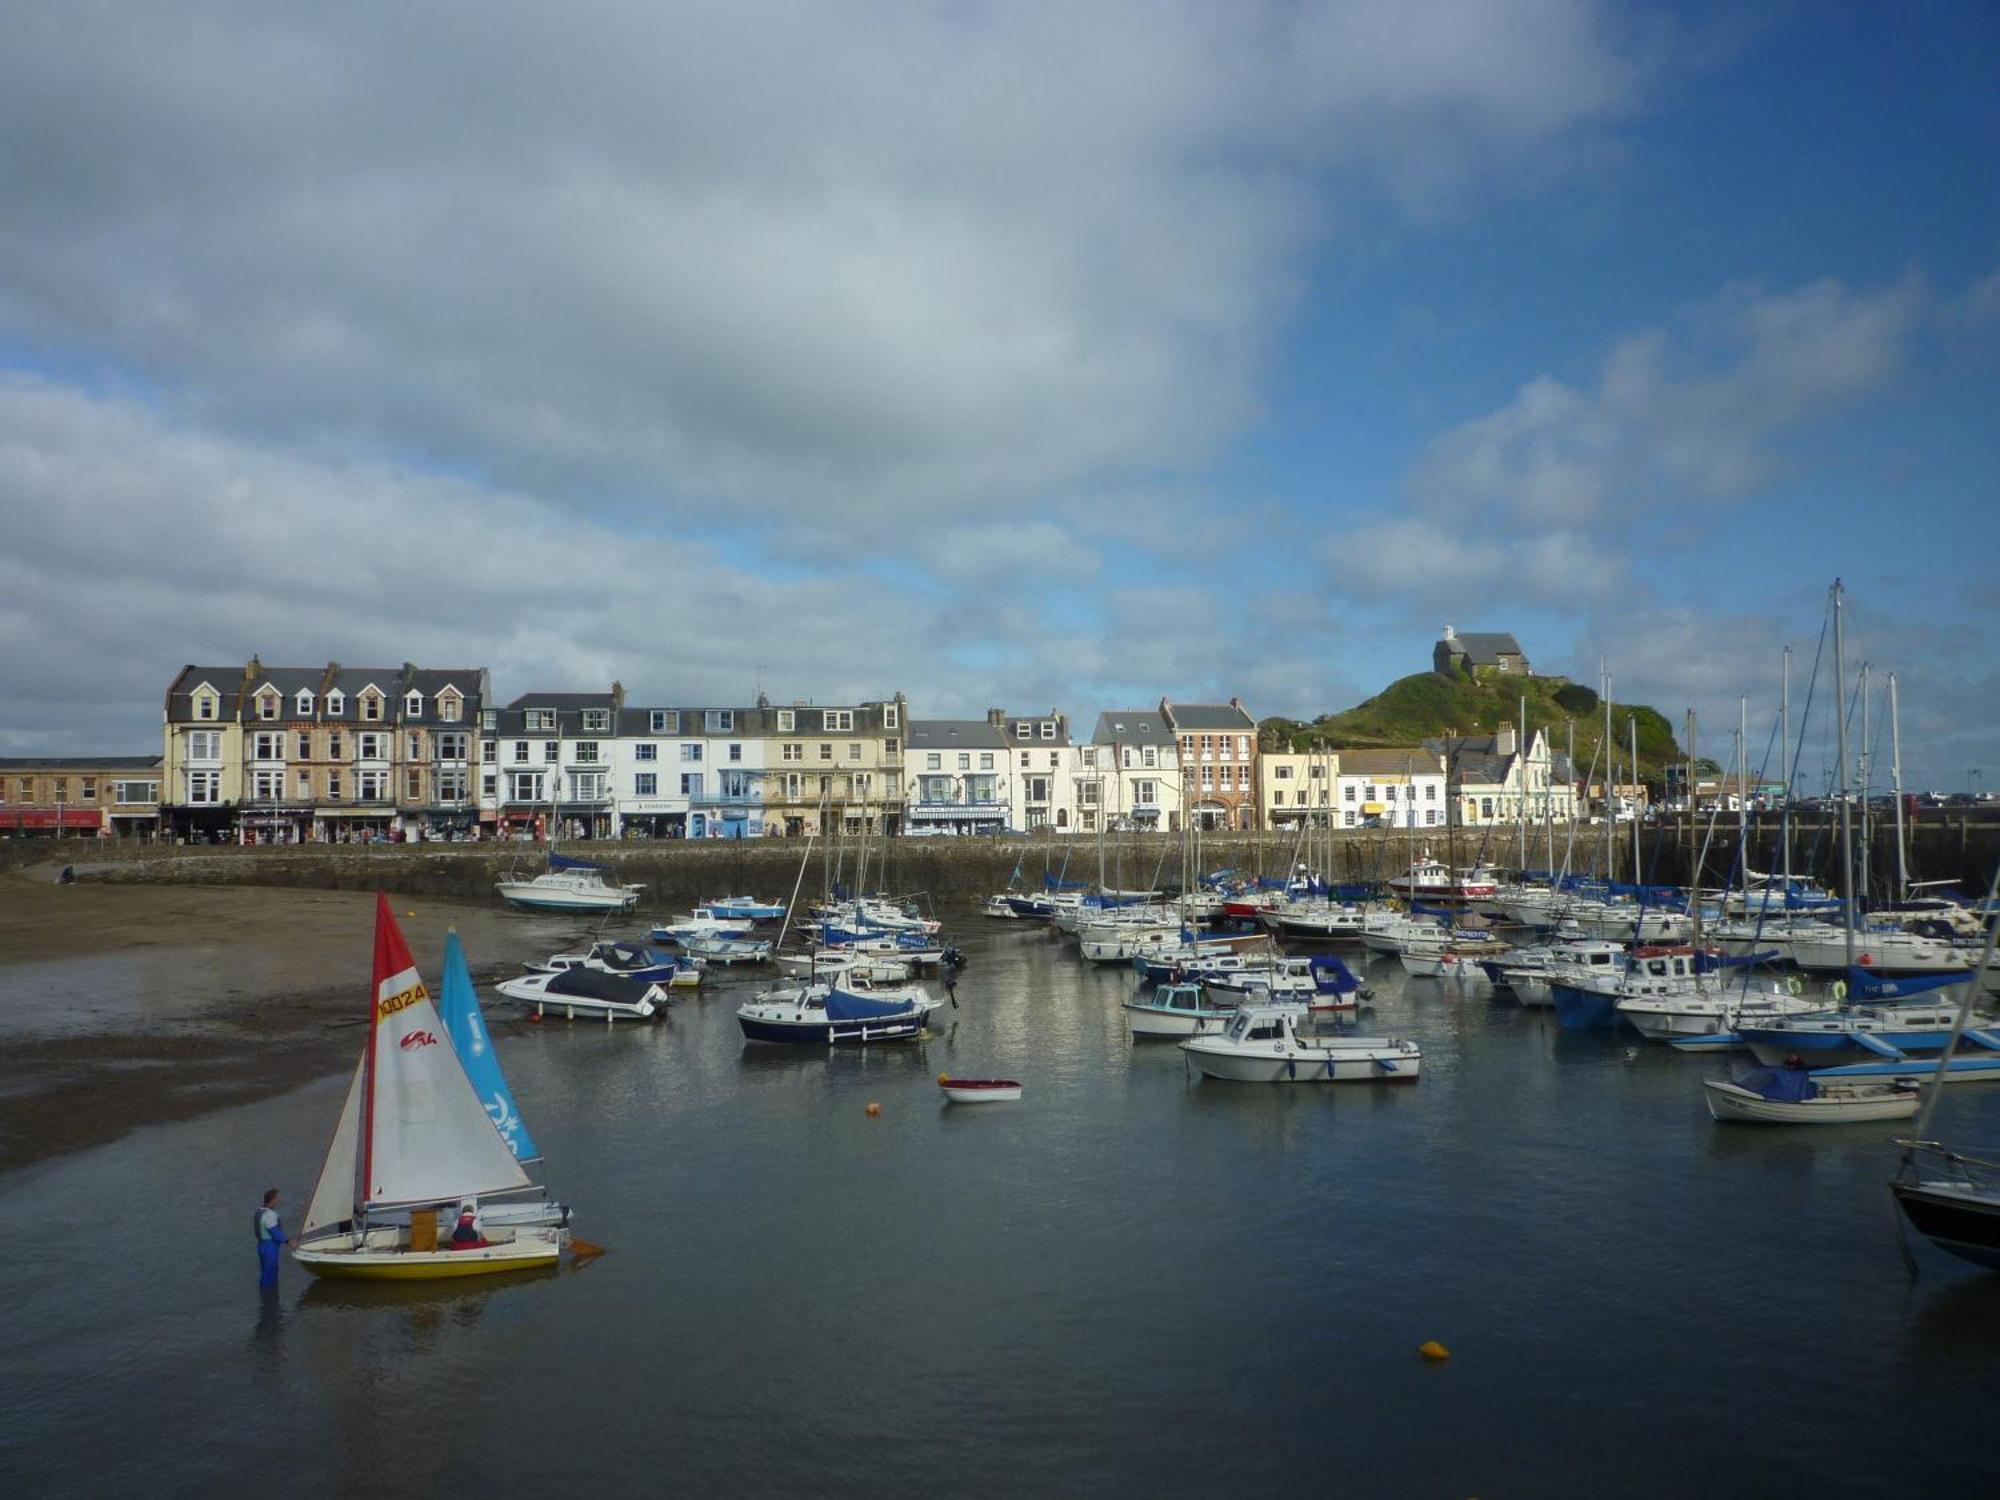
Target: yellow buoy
(874,1109)
(1431,1349)
(944,1078)
(409,914)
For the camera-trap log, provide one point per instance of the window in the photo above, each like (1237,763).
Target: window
(267,744)
(305,747)
(267,705)
(1430,792)
(413,706)
(795,784)
(1349,819)
(933,761)
(889,716)
(691,784)
(451,786)
(690,751)
(597,721)
(891,745)
(489,719)
(371,710)
(936,789)
(1038,788)
(584,752)
(449,707)
(371,786)
(1485,807)
(1048,729)
(864,784)
(645,750)
(333,786)
(336,703)
(267,786)
(204,706)
(664,721)
(372,747)
(840,719)
(525,786)
(1024,730)
(333,745)
(414,747)
(1055,759)
(541,720)
(302,704)
(986,760)
(793,751)
(204,788)
(1242,747)
(787,720)
(1145,793)
(489,752)
(645,784)
(551,752)
(489,784)
(129,792)
(854,750)
(1347,792)
(452,745)
(1281,773)
(413,785)
(719,720)
(736,750)
(205,744)
(586,786)
(1150,757)
(964,761)
(825,750)
(1089,757)
(520,752)
(1126,756)
(87,790)
(1026,760)
(735,784)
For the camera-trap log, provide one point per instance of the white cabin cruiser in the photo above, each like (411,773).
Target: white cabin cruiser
(567,885)
(1263,1044)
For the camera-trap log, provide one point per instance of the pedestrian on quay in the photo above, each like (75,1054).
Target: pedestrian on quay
(271,1239)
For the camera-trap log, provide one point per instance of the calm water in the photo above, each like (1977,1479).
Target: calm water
(1127,1284)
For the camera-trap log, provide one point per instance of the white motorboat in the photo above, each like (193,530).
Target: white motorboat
(998,906)
(718,949)
(570,993)
(703,922)
(1179,1010)
(1791,1096)
(1263,1044)
(630,960)
(1386,932)
(567,885)
(1892,953)
(1526,971)
(839,963)
(1709,1009)
(1429,879)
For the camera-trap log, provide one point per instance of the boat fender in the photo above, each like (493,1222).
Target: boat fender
(1795,985)
(874,1110)
(1839,990)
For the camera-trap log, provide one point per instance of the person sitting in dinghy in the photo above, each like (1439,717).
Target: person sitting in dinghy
(468,1235)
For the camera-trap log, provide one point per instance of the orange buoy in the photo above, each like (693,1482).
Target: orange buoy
(1432,1350)
(874,1109)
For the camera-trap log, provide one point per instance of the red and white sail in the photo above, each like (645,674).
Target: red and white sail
(413,1130)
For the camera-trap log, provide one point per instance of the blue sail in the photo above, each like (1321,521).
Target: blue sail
(460,1010)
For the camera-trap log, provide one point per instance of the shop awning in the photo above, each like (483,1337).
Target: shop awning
(49,817)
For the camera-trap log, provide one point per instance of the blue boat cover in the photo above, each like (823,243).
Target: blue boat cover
(1866,984)
(1333,975)
(1781,1085)
(1051,883)
(564,862)
(1431,911)
(1708,963)
(844,1005)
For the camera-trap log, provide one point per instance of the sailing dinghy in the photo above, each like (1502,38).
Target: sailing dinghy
(413,1137)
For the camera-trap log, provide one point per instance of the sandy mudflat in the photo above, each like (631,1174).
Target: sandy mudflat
(125,1005)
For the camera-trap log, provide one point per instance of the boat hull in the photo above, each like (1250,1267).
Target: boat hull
(980,1091)
(522,898)
(829,1033)
(1729,1102)
(1958,1221)
(1303,1067)
(382,1256)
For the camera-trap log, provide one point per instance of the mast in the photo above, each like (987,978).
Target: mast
(1521,785)
(1785,758)
(1846,813)
(1632,727)
(1864,866)
(1896,780)
(1610,781)
(1743,794)
(1694,874)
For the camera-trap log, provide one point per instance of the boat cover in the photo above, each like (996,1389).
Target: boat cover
(1866,984)
(1781,1085)
(564,862)
(1708,963)
(1332,975)
(845,1005)
(595,984)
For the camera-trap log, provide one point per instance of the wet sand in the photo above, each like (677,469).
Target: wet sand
(122,1006)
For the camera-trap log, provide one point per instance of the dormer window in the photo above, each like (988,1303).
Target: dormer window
(889,716)
(1048,729)
(267,704)
(302,704)
(371,706)
(413,706)
(1024,730)
(450,708)
(336,703)
(597,721)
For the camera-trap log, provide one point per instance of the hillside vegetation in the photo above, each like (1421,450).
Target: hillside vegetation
(1426,705)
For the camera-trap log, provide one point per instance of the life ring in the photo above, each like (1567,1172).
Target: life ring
(1839,990)
(1795,985)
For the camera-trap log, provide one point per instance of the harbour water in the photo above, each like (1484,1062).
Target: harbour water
(1128,1283)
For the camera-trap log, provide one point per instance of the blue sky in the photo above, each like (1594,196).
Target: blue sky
(1024,355)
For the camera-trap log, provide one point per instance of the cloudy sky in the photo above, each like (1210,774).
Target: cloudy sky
(1000,353)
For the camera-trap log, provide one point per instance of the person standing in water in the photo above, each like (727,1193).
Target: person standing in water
(270,1240)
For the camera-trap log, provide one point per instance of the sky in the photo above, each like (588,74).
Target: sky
(1002,354)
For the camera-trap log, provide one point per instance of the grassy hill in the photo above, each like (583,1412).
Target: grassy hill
(1426,704)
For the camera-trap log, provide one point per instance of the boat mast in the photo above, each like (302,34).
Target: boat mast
(1521,785)
(1865,866)
(1694,852)
(1632,727)
(1896,787)
(1785,755)
(1743,794)
(1846,813)
(1610,780)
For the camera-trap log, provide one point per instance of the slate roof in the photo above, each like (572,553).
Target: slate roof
(1484,648)
(237,684)
(1132,726)
(955,734)
(80,762)
(1035,723)
(1201,717)
(1416,761)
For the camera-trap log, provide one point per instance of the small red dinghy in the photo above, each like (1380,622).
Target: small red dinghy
(978,1090)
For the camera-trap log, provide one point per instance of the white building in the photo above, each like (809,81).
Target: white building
(1495,780)
(1130,774)
(958,776)
(1042,787)
(1397,788)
